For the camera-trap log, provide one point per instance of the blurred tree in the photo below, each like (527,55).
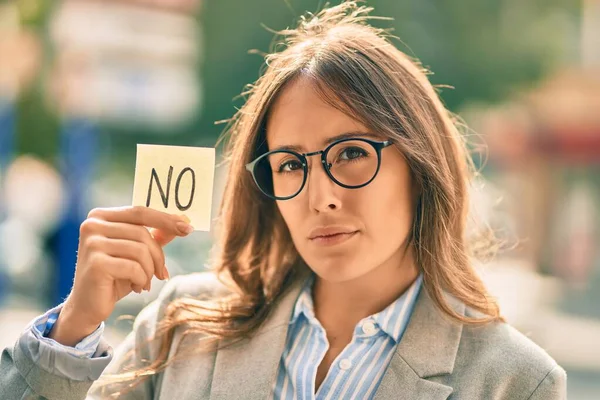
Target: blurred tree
(484,49)
(37,124)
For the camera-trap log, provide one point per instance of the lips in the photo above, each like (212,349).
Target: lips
(328,231)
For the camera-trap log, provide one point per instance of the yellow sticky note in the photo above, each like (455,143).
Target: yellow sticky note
(177,180)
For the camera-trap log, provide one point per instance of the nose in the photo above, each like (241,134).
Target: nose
(322,191)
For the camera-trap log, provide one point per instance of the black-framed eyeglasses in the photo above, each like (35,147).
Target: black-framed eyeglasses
(352,163)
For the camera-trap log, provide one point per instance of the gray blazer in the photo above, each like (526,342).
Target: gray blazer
(436,359)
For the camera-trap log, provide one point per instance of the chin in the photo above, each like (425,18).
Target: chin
(336,271)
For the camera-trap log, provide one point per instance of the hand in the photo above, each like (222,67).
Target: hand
(117,255)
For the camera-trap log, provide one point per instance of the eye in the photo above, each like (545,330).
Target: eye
(289,166)
(352,153)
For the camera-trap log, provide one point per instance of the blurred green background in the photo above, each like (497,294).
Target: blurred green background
(485,50)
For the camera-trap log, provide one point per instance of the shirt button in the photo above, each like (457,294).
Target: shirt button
(345,364)
(369,328)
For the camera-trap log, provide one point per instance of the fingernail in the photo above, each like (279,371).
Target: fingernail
(185,218)
(185,228)
(166,273)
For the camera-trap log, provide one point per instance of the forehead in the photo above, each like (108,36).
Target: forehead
(300,117)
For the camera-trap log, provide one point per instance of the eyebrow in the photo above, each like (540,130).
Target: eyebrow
(345,135)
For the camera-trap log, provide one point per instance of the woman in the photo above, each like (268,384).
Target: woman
(344,268)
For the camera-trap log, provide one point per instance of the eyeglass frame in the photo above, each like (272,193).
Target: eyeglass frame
(377,145)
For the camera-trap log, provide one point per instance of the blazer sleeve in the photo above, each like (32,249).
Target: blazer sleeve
(24,376)
(32,369)
(552,387)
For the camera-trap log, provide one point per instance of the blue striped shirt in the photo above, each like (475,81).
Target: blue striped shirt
(358,369)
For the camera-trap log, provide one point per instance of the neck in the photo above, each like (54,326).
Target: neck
(340,305)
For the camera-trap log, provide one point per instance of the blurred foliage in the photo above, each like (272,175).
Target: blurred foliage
(37,125)
(484,49)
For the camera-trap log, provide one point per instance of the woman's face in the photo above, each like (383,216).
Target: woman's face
(379,215)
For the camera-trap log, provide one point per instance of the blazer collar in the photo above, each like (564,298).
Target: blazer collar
(427,349)
(248,367)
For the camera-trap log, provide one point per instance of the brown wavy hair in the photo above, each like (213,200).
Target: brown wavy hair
(356,68)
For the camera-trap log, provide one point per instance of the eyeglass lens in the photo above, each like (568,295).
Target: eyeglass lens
(352,163)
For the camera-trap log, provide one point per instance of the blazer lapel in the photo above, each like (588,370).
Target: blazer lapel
(427,349)
(247,368)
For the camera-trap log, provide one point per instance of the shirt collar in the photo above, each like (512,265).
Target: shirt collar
(392,320)
(304,304)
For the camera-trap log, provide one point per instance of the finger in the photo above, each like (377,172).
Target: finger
(144,216)
(162,238)
(136,288)
(121,230)
(122,268)
(126,249)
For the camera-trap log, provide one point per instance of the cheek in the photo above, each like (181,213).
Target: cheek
(389,212)
(290,214)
